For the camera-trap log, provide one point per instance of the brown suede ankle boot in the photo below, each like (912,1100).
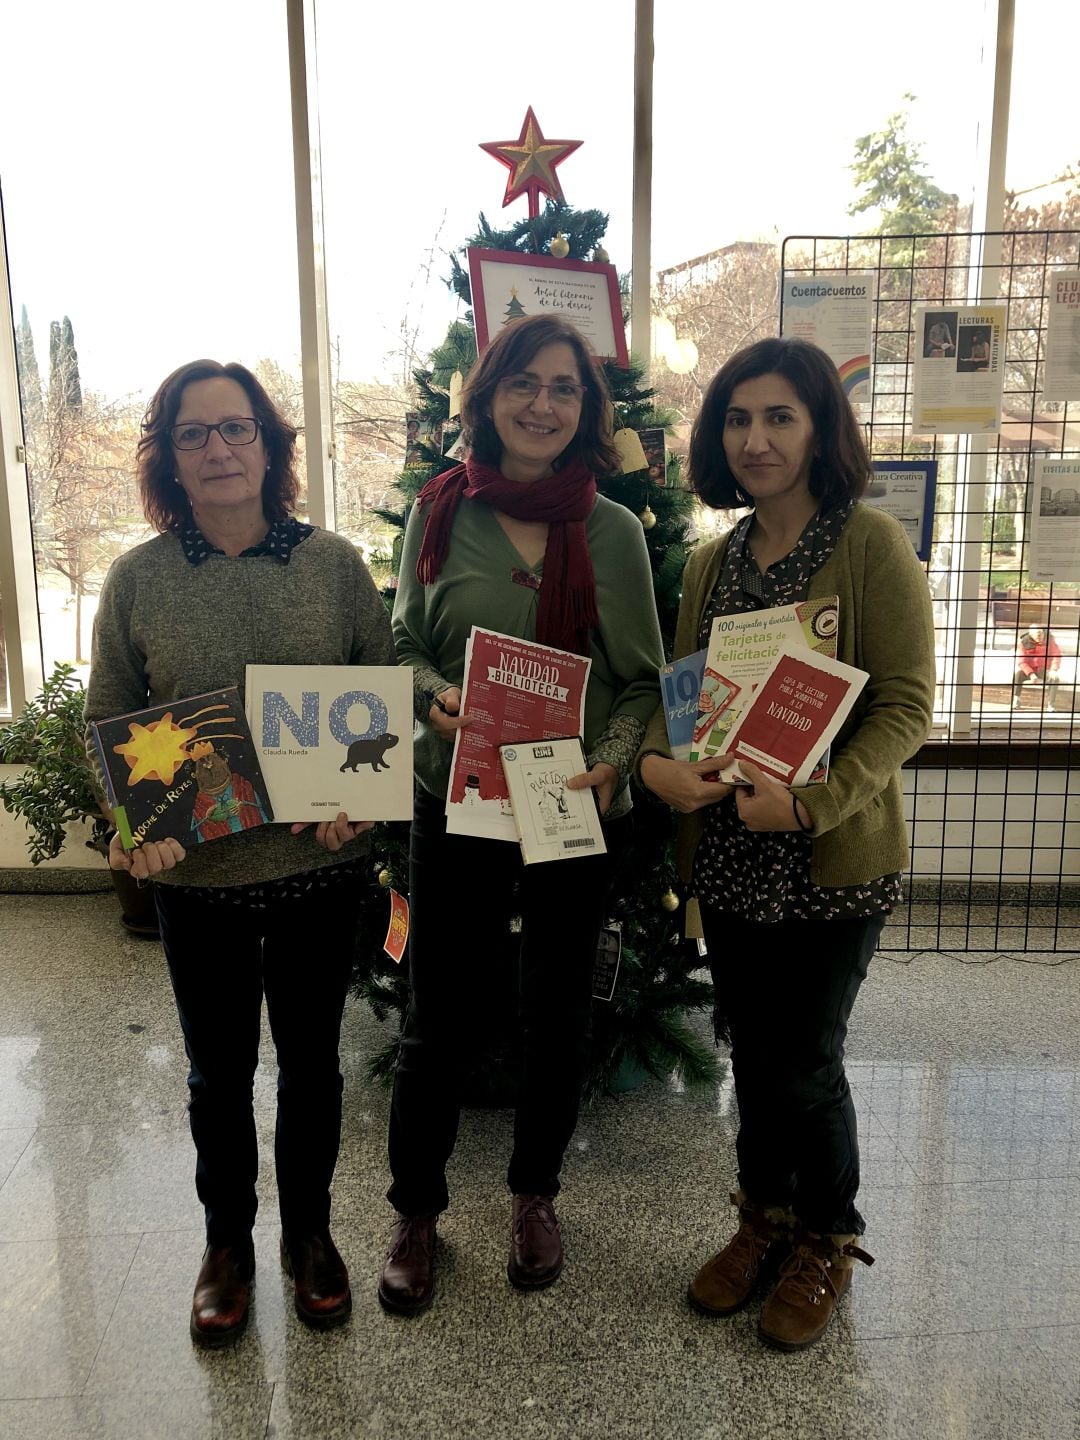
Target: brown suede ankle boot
(811,1282)
(749,1260)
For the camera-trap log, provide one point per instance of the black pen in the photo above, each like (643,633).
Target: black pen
(441,706)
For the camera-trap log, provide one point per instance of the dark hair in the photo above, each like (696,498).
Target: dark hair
(840,469)
(508,354)
(164,502)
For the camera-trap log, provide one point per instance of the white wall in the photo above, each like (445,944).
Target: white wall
(994,824)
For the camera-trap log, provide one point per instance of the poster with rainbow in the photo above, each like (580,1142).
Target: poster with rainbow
(835,312)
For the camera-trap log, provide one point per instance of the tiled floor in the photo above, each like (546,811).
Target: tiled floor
(967,1080)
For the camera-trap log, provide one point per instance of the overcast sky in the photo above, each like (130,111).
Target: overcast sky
(146,163)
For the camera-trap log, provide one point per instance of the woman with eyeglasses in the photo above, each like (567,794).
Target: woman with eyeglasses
(233,578)
(515,540)
(795,885)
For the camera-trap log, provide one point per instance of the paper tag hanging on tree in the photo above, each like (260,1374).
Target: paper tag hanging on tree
(653,443)
(631,453)
(606,964)
(457,380)
(397,933)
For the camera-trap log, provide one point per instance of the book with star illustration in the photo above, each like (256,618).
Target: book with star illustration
(187,771)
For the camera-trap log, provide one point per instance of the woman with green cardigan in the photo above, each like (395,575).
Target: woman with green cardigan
(795,885)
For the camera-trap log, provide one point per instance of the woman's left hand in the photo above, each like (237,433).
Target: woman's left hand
(333,834)
(765,804)
(602,778)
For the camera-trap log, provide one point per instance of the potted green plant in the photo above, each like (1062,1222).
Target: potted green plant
(56,786)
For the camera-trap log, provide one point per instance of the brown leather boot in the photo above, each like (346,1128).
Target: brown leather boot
(219,1307)
(747,1262)
(536,1248)
(407,1282)
(321,1293)
(812,1281)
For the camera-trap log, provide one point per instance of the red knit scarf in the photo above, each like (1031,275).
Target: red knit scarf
(564,500)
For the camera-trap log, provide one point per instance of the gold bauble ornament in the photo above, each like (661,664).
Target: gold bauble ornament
(669,900)
(384,878)
(560,246)
(600,255)
(647,518)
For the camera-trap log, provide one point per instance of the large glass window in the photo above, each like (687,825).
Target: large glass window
(757,117)
(147,163)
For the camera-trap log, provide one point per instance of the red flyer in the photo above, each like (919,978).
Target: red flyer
(794,715)
(397,933)
(515,690)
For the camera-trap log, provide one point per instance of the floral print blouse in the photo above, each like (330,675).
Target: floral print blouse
(765,876)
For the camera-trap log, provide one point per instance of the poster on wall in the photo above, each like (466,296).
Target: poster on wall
(1061,360)
(905,489)
(836,313)
(507,285)
(959,369)
(1054,543)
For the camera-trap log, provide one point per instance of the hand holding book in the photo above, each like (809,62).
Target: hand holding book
(445,716)
(151,857)
(684,785)
(765,804)
(602,778)
(333,834)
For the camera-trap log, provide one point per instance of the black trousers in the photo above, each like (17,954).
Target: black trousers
(461,893)
(222,959)
(787,991)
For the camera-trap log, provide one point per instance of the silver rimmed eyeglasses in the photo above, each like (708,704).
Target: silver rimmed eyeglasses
(524,387)
(233,432)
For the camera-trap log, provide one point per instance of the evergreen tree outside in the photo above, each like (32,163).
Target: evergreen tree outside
(69,367)
(30,394)
(891,175)
(644,1027)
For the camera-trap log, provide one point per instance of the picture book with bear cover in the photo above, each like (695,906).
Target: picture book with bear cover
(334,739)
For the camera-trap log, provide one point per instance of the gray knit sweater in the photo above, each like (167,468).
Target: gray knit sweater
(166,629)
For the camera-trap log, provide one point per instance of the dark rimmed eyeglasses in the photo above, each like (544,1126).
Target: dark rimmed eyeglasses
(233,432)
(560,392)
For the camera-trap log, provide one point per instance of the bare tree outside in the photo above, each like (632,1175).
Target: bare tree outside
(722,301)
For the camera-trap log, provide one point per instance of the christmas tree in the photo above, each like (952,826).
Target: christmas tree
(643,1028)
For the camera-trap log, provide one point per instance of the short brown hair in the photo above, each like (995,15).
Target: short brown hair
(164,502)
(509,354)
(841,467)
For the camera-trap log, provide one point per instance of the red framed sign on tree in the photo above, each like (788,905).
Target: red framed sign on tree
(507,285)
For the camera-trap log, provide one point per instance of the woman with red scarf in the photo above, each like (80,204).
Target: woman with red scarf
(516,540)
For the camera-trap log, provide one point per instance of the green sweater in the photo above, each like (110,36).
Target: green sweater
(166,629)
(474,587)
(886,629)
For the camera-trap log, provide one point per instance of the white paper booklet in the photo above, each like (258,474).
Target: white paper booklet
(332,738)
(553,823)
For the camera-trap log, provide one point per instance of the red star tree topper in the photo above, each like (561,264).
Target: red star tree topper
(531,161)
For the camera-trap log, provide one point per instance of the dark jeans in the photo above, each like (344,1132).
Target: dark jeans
(1049,684)
(222,959)
(461,891)
(787,991)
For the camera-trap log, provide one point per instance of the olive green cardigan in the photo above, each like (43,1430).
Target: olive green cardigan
(886,628)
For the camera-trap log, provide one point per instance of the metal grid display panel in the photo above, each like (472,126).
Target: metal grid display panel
(993,800)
